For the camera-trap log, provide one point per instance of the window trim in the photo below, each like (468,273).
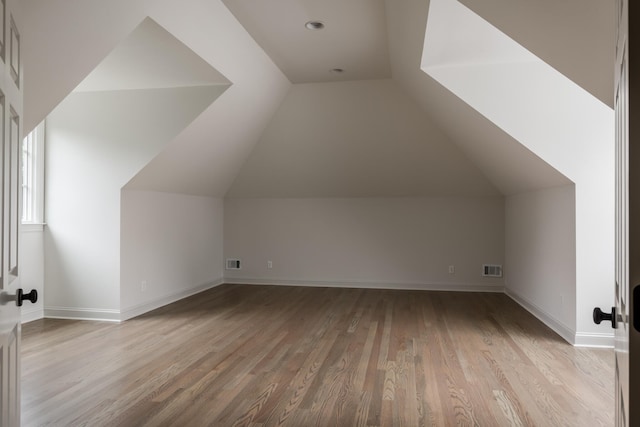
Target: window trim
(37,179)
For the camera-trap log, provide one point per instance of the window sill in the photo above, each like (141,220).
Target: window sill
(32,227)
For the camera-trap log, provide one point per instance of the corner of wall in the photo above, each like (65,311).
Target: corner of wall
(540,254)
(554,324)
(602,340)
(130,313)
(171,248)
(31,315)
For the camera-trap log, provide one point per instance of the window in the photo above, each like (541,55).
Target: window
(33,176)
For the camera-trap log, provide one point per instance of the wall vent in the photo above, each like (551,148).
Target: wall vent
(491,270)
(233,264)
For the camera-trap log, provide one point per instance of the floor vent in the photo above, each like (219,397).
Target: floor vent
(233,264)
(490,270)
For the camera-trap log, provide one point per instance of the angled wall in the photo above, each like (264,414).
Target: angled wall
(540,254)
(96,141)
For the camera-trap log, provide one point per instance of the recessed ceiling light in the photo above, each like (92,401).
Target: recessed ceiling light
(337,70)
(314,25)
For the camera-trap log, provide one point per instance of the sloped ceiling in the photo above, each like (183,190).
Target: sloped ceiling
(576,37)
(151,58)
(533,102)
(503,162)
(65,40)
(153,66)
(510,166)
(355,139)
(236,137)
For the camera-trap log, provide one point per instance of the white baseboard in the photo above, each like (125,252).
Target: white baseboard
(140,309)
(27,316)
(121,315)
(601,340)
(82,314)
(454,287)
(558,327)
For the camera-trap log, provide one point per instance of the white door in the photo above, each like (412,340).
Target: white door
(620,313)
(10,137)
(627,225)
(627,280)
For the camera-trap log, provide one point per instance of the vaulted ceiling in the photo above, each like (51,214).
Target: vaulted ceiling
(290,124)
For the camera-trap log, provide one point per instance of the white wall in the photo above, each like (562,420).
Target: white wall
(96,141)
(31,265)
(172,243)
(381,242)
(540,255)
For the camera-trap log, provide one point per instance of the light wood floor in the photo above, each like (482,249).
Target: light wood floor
(270,356)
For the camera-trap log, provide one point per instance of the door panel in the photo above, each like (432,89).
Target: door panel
(9,376)
(13,165)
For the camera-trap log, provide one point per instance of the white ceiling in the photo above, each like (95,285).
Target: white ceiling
(261,46)
(573,36)
(151,58)
(354,38)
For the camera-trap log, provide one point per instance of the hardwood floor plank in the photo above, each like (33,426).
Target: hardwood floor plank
(363,364)
(301,383)
(386,337)
(265,356)
(362,412)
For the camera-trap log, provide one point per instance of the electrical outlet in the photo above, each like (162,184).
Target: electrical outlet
(269,264)
(143,286)
(452,269)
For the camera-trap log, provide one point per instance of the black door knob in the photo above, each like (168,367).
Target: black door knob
(599,316)
(31,296)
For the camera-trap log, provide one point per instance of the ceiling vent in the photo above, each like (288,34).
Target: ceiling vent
(491,270)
